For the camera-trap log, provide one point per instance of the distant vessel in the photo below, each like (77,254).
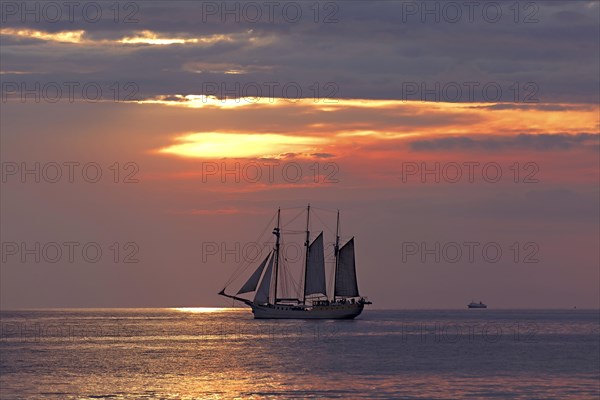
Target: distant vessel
(476,305)
(345,303)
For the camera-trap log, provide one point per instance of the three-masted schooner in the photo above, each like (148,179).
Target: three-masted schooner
(345,303)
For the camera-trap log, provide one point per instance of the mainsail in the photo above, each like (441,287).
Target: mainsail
(345,275)
(315,268)
(262,294)
(250,285)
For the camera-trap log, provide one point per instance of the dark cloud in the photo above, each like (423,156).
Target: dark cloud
(323,155)
(539,142)
(373,50)
(541,107)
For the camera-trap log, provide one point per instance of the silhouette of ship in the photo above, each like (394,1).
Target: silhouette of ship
(476,305)
(313,303)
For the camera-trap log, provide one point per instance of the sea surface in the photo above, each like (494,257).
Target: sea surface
(224,353)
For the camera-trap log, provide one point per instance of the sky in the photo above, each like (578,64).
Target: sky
(146,145)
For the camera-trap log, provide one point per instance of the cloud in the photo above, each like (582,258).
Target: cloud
(239,145)
(540,142)
(145,37)
(323,155)
(373,50)
(534,107)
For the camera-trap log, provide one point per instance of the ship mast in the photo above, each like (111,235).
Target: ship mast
(307,244)
(277,233)
(336,251)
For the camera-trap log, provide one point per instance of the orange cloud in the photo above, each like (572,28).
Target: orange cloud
(338,128)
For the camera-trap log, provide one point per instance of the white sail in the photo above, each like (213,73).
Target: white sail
(262,294)
(315,268)
(345,275)
(250,285)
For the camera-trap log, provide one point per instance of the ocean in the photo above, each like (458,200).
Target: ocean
(217,353)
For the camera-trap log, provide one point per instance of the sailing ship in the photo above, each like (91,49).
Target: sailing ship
(314,303)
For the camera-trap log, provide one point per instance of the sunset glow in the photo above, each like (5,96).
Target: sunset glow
(149,37)
(239,145)
(328,131)
(62,37)
(299,199)
(142,37)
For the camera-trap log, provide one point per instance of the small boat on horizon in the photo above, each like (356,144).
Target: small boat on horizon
(312,301)
(476,305)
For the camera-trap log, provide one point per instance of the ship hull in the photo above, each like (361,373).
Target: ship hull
(281,311)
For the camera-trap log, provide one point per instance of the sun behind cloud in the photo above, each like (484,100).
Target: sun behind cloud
(240,145)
